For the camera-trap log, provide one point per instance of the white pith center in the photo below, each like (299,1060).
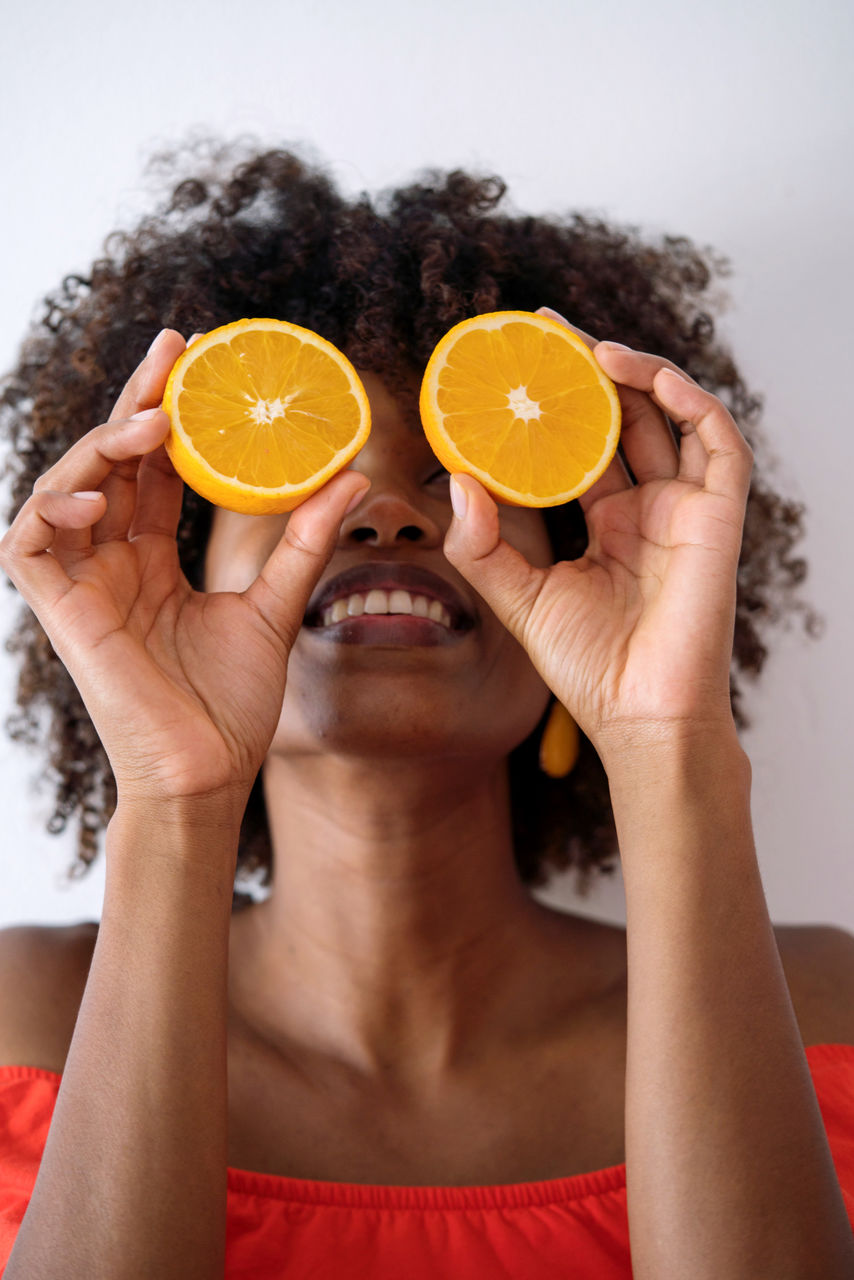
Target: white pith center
(263,412)
(522,404)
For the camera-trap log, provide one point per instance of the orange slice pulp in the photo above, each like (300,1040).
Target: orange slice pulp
(519,401)
(263,413)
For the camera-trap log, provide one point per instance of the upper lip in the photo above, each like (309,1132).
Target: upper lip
(386,576)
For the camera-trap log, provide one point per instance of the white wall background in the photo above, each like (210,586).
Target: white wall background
(727,122)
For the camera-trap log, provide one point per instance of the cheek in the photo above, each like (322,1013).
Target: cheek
(525,529)
(238,548)
(233,573)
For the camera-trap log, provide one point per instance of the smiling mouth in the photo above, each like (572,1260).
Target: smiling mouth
(389,603)
(380,603)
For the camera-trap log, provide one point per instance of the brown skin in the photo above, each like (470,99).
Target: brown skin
(398,938)
(367,982)
(390,973)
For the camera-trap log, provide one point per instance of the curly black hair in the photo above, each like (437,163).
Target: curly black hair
(246,231)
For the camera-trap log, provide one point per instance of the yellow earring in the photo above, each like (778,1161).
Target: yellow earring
(560,743)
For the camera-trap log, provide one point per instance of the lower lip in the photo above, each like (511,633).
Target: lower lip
(389,629)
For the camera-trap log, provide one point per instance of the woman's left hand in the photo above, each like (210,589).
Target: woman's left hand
(635,637)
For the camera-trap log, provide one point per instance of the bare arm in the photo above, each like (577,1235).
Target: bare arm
(728,1167)
(185,690)
(729,1172)
(133,1179)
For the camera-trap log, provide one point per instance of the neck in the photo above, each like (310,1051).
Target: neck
(397,921)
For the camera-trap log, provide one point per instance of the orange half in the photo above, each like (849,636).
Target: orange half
(263,413)
(519,402)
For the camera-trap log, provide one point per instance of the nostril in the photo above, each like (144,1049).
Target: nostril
(408,533)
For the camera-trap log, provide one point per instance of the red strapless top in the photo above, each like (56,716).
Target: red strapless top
(300,1229)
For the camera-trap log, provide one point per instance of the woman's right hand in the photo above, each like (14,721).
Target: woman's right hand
(184,688)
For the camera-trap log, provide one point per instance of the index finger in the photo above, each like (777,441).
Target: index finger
(703,416)
(144,389)
(637,369)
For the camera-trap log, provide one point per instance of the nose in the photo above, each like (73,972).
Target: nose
(389,515)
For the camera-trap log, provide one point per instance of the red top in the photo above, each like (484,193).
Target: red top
(300,1229)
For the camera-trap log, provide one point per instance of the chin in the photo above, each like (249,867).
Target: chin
(388,733)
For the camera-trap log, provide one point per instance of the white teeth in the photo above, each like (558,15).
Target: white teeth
(378,601)
(400,602)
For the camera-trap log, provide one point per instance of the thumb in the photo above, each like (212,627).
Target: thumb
(283,587)
(498,572)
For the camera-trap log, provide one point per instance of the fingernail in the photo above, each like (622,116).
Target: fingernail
(87,495)
(615,346)
(143,413)
(550,312)
(155,343)
(459,498)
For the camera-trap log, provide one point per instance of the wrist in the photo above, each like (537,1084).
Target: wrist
(216,812)
(683,801)
(178,840)
(700,767)
(677,749)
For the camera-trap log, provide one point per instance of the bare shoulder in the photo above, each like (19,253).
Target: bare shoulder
(43,971)
(818,961)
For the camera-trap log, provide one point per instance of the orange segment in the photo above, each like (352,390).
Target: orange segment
(519,402)
(263,413)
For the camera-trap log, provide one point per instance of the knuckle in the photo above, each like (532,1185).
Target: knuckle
(34,506)
(95,438)
(49,478)
(36,500)
(297,542)
(9,546)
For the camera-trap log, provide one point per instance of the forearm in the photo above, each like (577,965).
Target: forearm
(728,1169)
(133,1179)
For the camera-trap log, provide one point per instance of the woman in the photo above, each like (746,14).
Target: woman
(418,1063)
